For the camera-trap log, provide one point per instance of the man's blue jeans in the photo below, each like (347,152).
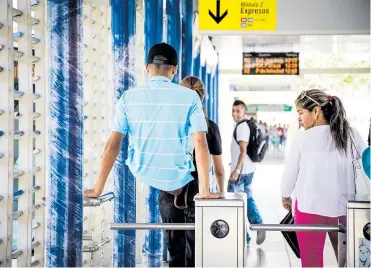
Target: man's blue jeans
(243,184)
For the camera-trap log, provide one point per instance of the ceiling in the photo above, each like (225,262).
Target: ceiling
(320,51)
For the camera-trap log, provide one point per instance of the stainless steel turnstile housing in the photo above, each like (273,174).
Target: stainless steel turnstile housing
(358,230)
(221,231)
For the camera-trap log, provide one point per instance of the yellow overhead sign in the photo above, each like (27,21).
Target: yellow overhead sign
(243,15)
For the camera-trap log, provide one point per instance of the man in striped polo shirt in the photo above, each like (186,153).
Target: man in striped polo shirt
(159,118)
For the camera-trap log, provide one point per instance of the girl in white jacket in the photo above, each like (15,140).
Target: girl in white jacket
(319,166)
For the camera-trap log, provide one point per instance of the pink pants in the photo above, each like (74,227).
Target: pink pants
(311,244)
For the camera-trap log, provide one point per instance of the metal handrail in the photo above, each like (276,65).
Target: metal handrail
(18,94)
(96,202)
(36,115)
(297,227)
(18,134)
(17,214)
(18,174)
(95,248)
(37,225)
(16,254)
(35,244)
(17,12)
(152,226)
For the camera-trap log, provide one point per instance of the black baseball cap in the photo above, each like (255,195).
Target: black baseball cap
(162,54)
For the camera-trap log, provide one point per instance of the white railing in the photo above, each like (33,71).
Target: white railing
(22,84)
(97,110)
(6,130)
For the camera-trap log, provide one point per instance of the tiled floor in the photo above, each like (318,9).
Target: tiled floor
(266,191)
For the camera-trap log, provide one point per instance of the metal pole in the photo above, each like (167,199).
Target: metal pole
(153,226)
(123,25)
(65,221)
(296,228)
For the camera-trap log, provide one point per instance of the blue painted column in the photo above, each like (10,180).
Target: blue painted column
(217,93)
(123,47)
(211,97)
(197,66)
(153,240)
(187,38)
(174,31)
(215,97)
(65,199)
(204,81)
(208,89)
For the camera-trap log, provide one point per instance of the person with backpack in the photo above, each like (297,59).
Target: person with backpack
(248,146)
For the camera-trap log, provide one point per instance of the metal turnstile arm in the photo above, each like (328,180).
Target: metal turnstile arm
(297,227)
(152,226)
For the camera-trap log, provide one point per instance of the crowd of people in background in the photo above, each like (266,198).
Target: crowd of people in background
(276,134)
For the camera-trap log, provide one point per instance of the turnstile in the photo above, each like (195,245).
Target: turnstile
(358,245)
(220,227)
(221,231)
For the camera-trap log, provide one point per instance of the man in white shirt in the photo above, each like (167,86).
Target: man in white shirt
(243,168)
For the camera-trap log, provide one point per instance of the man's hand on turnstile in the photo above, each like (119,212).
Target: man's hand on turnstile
(210,195)
(287,203)
(91,193)
(111,151)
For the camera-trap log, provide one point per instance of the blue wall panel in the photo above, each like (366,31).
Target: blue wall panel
(215,97)
(123,46)
(204,81)
(211,97)
(208,98)
(197,66)
(153,240)
(65,219)
(187,38)
(174,31)
(217,94)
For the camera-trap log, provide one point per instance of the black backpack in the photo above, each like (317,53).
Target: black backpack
(257,146)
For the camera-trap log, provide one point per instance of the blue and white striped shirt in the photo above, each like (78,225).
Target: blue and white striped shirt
(159,117)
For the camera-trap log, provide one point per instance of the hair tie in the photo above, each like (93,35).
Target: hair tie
(330,99)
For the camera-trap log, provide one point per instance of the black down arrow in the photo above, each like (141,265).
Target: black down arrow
(218,18)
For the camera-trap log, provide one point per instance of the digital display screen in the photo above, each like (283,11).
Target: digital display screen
(270,63)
